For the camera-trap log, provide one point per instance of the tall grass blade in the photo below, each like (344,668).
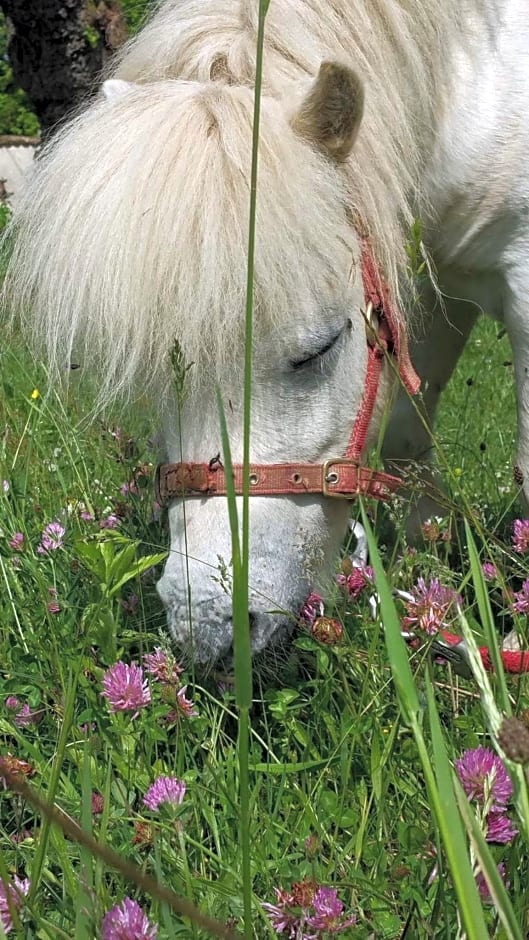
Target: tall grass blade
(451,829)
(42,845)
(241,570)
(242,654)
(494,720)
(112,859)
(397,650)
(487,620)
(440,794)
(85,894)
(488,866)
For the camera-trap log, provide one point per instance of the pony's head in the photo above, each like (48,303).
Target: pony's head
(131,241)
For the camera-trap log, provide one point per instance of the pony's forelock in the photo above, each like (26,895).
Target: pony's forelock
(133,233)
(403,50)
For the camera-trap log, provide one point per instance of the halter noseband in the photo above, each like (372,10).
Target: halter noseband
(341,477)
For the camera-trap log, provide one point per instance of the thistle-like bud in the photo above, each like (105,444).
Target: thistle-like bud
(514,739)
(327,630)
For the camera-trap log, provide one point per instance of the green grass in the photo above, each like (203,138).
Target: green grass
(339,774)
(477,420)
(338,789)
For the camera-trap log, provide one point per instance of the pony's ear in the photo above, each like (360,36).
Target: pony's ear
(116,88)
(331,113)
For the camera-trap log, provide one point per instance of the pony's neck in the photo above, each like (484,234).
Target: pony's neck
(472,177)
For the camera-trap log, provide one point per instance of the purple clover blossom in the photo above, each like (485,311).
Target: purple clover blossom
(490,572)
(284,920)
(520,536)
(328,912)
(130,604)
(17,541)
(12,702)
(109,522)
(12,895)
(165,790)
(308,912)
(521,599)
(125,688)
(87,516)
(500,828)
(483,888)
(162,666)
(356,582)
(127,489)
(429,606)
(436,529)
(54,607)
(97,804)
(21,836)
(126,921)
(484,777)
(312,608)
(25,718)
(185,706)
(52,538)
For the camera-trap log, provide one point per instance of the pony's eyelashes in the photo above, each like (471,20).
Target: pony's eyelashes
(315,357)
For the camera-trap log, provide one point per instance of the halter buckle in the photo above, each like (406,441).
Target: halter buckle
(331,478)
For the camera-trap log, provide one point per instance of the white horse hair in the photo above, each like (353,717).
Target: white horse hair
(132,234)
(155,231)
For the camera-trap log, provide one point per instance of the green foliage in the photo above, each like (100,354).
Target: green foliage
(16,116)
(5,215)
(92,36)
(135,12)
(350,779)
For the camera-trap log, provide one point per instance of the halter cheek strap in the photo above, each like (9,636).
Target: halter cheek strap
(341,477)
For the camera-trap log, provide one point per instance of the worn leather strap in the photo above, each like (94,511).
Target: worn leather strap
(340,477)
(377,293)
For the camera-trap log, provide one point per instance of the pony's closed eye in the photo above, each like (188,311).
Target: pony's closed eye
(317,355)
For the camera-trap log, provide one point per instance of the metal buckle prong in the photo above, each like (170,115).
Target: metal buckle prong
(371,324)
(330,476)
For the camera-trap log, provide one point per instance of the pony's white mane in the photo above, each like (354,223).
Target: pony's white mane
(152,255)
(133,231)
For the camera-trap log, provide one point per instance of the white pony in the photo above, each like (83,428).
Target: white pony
(133,234)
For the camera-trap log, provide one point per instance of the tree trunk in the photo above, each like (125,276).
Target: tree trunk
(57,49)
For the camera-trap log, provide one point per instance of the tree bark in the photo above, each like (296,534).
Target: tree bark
(57,49)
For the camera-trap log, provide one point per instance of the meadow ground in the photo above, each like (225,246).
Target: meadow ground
(350,788)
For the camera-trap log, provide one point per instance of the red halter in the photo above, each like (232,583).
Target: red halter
(339,476)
